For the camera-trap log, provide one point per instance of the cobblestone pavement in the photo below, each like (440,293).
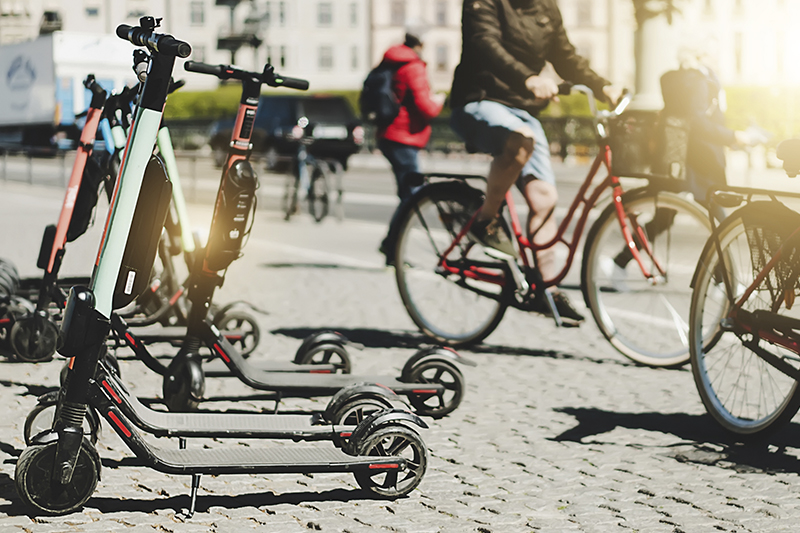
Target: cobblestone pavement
(557,432)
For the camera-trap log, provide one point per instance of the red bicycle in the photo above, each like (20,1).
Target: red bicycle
(638,258)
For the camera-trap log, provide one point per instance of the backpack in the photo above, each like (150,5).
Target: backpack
(377,100)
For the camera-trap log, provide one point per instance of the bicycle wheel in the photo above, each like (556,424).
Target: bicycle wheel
(645,321)
(744,393)
(318,193)
(445,306)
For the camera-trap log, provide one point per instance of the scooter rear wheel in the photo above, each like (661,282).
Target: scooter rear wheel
(440,373)
(33,478)
(34,338)
(327,353)
(354,411)
(393,440)
(244,331)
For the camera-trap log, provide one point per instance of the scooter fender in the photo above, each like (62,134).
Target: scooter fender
(379,419)
(48,398)
(435,353)
(318,338)
(360,390)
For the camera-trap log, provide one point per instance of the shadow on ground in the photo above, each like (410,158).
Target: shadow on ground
(704,442)
(327,266)
(381,338)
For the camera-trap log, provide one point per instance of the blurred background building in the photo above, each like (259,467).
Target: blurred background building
(334,43)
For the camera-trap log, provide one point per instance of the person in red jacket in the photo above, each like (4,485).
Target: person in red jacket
(402,140)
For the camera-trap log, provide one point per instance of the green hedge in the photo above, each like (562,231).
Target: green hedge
(777,110)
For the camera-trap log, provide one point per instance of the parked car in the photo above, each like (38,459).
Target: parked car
(283,119)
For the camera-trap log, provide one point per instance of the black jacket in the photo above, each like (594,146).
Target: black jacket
(507,41)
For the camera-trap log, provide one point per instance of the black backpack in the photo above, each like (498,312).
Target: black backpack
(378,102)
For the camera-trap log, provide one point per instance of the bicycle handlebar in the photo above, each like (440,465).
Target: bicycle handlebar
(620,107)
(162,43)
(229,72)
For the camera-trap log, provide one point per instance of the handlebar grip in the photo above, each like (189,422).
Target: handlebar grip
(564,88)
(167,44)
(203,68)
(123,30)
(292,83)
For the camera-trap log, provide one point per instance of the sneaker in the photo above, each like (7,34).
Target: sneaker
(615,275)
(569,315)
(492,234)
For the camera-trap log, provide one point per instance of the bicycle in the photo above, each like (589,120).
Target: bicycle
(310,175)
(744,329)
(457,292)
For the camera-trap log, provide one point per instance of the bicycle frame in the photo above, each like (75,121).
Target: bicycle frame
(634,240)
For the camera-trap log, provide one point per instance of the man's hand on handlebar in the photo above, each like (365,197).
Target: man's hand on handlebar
(542,87)
(613,94)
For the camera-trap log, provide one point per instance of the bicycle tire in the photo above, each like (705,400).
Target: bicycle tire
(318,198)
(740,390)
(645,322)
(441,309)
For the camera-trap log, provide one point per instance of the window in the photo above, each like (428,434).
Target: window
(441,13)
(584,15)
(398,13)
(353,15)
(441,57)
(324,14)
(354,58)
(197,15)
(325,60)
(268,50)
(282,13)
(737,52)
(92,11)
(282,60)
(267,18)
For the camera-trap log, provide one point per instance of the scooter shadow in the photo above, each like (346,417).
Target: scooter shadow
(381,338)
(704,442)
(31,390)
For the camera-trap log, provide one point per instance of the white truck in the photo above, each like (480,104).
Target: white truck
(41,83)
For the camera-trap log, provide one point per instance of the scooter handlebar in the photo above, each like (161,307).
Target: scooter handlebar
(203,68)
(227,72)
(159,42)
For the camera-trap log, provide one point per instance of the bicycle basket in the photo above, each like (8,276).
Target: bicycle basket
(767,232)
(647,145)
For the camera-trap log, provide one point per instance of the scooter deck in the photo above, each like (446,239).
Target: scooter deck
(165,424)
(215,368)
(278,460)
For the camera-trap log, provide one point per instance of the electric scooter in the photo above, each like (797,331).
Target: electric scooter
(31,333)
(430,379)
(59,472)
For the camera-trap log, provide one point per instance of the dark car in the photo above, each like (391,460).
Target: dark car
(282,120)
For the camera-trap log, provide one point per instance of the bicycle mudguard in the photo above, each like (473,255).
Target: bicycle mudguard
(232,214)
(145,232)
(450,187)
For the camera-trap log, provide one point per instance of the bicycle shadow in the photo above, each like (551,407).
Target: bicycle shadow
(327,266)
(381,338)
(708,444)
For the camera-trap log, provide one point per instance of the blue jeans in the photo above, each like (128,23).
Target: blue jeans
(404,159)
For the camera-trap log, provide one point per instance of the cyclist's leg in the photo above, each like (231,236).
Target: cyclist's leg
(404,159)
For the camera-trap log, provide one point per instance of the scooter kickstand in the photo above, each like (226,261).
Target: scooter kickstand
(193,497)
(552,304)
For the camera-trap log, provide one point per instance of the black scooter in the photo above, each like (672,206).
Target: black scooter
(59,472)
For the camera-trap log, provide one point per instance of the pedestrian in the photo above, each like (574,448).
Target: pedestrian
(401,140)
(498,91)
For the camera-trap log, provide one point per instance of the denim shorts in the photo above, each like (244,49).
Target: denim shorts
(485,125)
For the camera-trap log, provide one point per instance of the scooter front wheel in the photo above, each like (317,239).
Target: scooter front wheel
(35,485)
(355,410)
(394,440)
(34,338)
(184,384)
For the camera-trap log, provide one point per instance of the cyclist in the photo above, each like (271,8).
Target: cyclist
(409,132)
(498,90)
(694,95)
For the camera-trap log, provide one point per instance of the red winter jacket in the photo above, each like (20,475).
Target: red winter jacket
(412,124)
